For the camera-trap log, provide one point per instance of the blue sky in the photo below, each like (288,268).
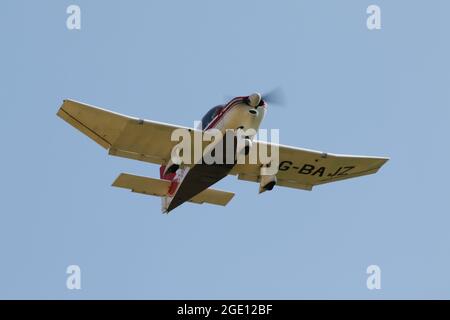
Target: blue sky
(349,90)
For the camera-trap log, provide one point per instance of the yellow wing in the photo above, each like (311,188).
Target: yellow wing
(304,169)
(150,141)
(124,136)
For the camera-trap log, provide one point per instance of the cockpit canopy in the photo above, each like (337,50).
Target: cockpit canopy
(207,118)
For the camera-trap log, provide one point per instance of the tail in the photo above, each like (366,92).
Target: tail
(161,188)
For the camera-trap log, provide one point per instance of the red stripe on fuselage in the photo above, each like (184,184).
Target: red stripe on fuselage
(227,108)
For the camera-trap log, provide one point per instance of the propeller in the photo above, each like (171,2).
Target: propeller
(275,97)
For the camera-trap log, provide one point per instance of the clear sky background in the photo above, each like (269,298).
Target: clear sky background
(349,90)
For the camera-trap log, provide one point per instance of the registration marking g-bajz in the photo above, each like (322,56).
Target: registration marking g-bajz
(312,170)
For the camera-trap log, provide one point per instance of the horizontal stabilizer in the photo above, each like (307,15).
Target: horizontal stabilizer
(158,187)
(213,196)
(144,185)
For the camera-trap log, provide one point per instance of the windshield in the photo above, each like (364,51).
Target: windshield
(207,118)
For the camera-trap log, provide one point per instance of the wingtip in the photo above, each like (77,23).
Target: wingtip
(61,107)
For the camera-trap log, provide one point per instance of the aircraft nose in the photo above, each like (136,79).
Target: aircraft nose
(254,99)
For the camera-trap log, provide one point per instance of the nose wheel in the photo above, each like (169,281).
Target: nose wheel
(270,185)
(245,149)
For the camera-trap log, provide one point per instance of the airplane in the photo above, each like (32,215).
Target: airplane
(151,142)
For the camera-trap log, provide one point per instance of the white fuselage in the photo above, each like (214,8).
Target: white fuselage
(237,114)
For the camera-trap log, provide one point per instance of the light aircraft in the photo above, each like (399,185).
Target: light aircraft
(150,141)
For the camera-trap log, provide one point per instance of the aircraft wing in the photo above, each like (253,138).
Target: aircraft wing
(304,169)
(123,136)
(150,141)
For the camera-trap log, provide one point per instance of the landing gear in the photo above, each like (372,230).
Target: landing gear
(270,185)
(170,168)
(244,148)
(233,149)
(247,149)
(266,182)
(173,168)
